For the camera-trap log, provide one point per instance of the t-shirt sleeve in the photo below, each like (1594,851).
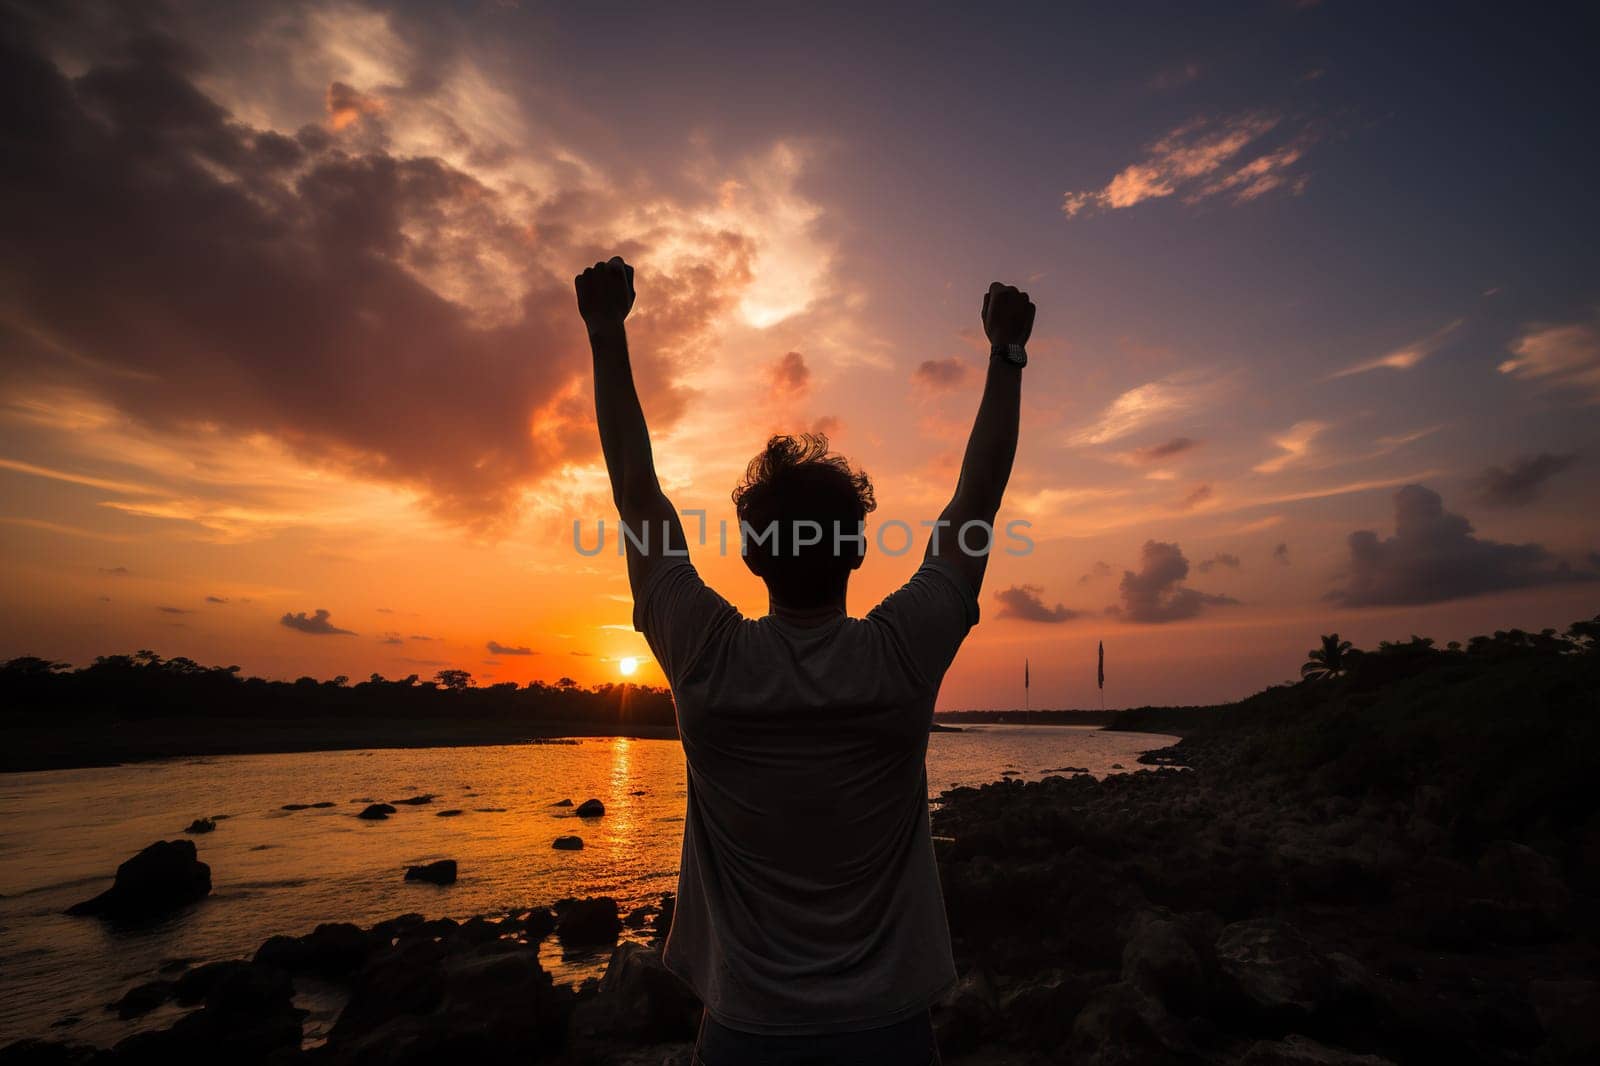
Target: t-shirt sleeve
(678,613)
(930,616)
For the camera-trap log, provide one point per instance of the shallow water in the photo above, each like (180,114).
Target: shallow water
(64,832)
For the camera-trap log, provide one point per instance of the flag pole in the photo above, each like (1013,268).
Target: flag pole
(1100,675)
(1025,699)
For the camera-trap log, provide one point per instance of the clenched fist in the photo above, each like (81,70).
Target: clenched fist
(605,293)
(1007,315)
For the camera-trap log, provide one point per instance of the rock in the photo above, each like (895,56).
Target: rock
(1160,961)
(323,804)
(663,923)
(451,813)
(639,917)
(587,922)
(968,1015)
(161,878)
(332,950)
(1121,1026)
(417,801)
(421,1003)
(197,984)
(639,1000)
(1303,1051)
(35,1052)
(295,807)
(568,843)
(1569,1011)
(201,825)
(1039,1012)
(249,1015)
(1273,972)
(376,812)
(562,803)
(390,928)
(538,924)
(142,999)
(442,872)
(590,808)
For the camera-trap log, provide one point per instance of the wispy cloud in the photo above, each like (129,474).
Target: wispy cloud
(1293,446)
(1404,357)
(497,648)
(940,374)
(1204,158)
(1140,407)
(1558,355)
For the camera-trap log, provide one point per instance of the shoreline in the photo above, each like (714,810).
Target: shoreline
(34,746)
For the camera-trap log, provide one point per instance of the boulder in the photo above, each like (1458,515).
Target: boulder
(1274,973)
(442,872)
(590,808)
(249,1015)
(417,801)
(423,1002)
(201,825)
(639,1000)
(451,813)
(968,1015)
(639,917)
(1121,1026)
(332,950)
(562,803)
(161,878)
(1298,1050)
(1160,961)
(376,812)
(663,924)
(587,922)
(1569,1011)
(295,807)
(142,999)
(568,843)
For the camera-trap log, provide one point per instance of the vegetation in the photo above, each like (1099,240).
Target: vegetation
(1327,661)
(142,706)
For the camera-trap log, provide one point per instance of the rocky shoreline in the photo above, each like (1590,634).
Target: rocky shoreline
(1343,876)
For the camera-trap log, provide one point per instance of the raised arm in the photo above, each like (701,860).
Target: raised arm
(605,296)
(986,467)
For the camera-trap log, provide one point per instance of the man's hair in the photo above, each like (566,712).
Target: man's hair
(796,479)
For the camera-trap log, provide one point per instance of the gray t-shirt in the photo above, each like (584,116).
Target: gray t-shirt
(808,895)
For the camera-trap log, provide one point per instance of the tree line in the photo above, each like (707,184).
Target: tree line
(145,685)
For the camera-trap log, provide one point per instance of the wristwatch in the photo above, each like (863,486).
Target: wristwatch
(1015,354)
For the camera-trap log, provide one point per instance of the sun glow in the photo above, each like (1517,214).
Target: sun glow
(628,666)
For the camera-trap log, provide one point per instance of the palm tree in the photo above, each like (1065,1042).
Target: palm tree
(1330,660)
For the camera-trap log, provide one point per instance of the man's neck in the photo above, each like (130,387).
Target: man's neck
(806,616)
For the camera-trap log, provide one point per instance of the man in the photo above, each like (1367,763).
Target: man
(809,917)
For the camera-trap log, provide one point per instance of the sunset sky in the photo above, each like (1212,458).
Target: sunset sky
(291,375)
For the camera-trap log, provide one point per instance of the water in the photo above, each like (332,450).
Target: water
(64,832)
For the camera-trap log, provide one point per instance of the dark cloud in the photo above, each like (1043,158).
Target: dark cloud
(1434,557)
(175,610)
(391,640)
(1157,593)
(420,636)
(1024,602)
(789,375)
(1100,569)
(216,599)
(115,571)
(1281,553)
(1166,450)
(317,624)
(1227,559)
(200,270)
(940,373)
(1200,495)
(1521,481)
(497,648)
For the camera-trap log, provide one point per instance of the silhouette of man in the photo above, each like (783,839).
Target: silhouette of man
(809,917)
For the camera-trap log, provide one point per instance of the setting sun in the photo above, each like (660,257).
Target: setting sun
(628,666)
